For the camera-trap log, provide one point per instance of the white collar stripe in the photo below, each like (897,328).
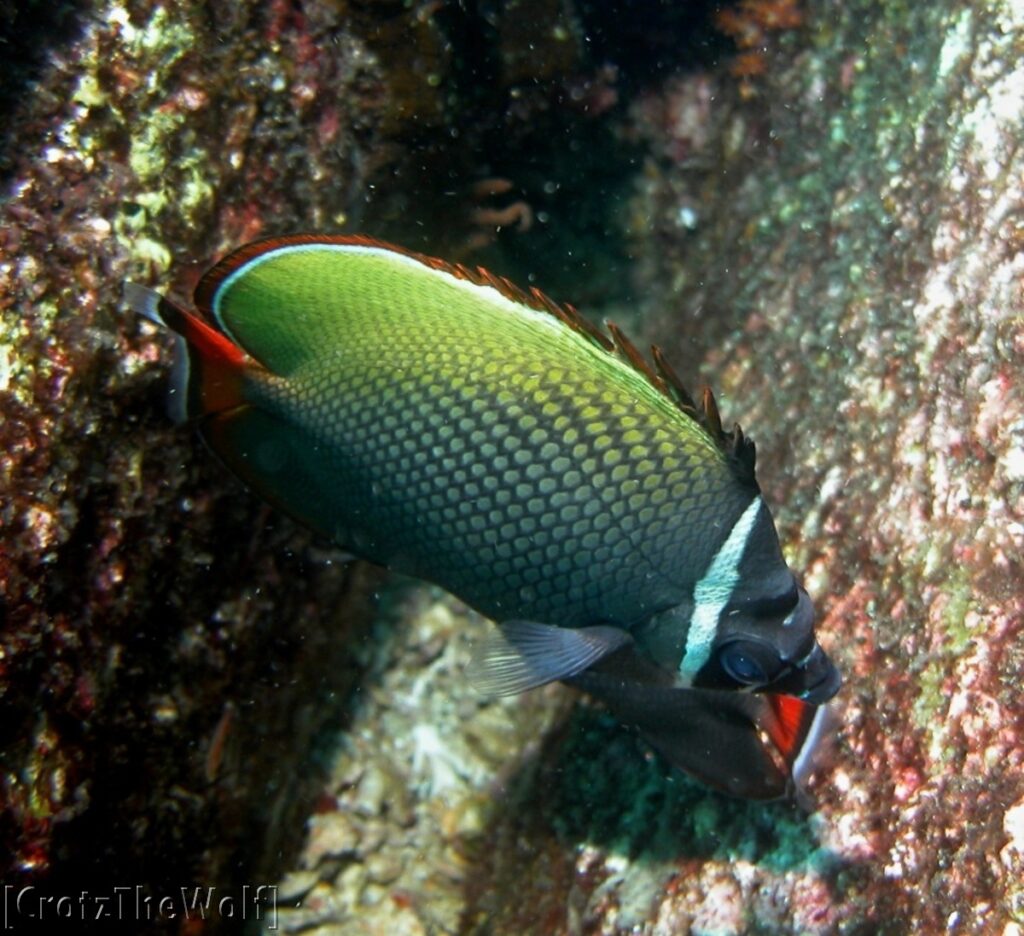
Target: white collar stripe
(713,591)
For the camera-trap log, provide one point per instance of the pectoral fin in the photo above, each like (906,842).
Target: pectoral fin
(521,655)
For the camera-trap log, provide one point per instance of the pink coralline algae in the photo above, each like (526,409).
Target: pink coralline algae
(190,687)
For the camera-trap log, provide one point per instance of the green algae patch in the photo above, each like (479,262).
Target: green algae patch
(955,637)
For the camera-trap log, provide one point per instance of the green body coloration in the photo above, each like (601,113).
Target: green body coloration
(439,428)
(440,422)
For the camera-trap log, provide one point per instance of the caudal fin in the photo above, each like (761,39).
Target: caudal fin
(208,367)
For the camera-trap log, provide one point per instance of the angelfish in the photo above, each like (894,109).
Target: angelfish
(441,422)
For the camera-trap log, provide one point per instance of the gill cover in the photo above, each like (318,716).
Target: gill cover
(439,421)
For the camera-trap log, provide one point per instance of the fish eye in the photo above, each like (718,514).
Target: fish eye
(749,663)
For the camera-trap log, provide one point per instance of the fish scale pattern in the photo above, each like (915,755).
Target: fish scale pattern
(528,483)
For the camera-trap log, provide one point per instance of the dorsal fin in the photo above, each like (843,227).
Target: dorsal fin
(674,385)
(712,420)
(740,449)
(661,376)
(628,350)
(743,453)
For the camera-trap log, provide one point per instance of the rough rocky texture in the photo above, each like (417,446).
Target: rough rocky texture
(858,266)
(170,651)
(836,241)
(831,233)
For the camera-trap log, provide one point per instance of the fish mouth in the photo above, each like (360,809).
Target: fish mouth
(825,688)
(816,680)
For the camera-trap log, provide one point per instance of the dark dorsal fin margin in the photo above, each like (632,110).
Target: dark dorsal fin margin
(739,449)
(629,352)
(735,444)
(711,417)
(673,383)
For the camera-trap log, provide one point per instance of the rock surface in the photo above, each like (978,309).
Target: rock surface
(827,224)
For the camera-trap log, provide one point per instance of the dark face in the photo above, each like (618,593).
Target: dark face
(746,624)
(768,645)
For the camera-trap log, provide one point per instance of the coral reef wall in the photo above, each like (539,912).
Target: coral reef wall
(170,651)
(839,236)
(823,218)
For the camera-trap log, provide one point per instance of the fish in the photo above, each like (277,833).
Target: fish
(755,746)
(439,421)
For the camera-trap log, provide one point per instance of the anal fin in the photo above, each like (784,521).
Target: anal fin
(752,745)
